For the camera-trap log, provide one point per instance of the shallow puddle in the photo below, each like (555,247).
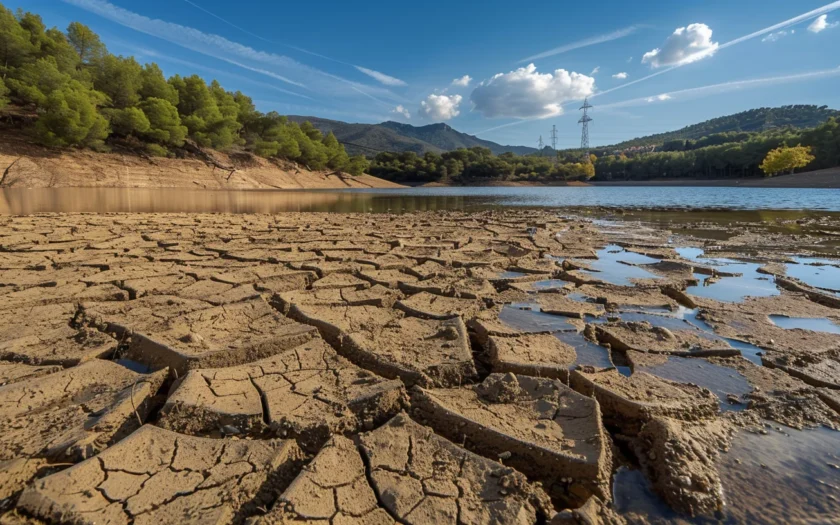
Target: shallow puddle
(134,366)
(610,266)
(512,275)
(815,324)
(719,379)
(783,477)
(588,353)
(816,272)
(528,318)
(634,498)
(735,289)
(549,284)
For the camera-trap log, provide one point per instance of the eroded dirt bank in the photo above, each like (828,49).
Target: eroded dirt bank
(497,367)
(26,165)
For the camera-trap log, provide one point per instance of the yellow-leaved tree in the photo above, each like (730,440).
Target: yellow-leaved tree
(785,160)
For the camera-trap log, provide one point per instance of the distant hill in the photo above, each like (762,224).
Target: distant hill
(369,139)
(761,119)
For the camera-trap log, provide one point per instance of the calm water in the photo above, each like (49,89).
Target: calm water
(175,200)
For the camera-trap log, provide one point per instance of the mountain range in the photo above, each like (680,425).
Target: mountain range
(370,139)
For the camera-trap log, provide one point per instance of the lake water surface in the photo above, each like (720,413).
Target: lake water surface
(177,200)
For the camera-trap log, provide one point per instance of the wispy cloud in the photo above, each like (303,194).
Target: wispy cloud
(620,76)
(724,87)
(381,77)
(600,39)
(278,67)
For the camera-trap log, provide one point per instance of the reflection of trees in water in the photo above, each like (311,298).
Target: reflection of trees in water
(178,200)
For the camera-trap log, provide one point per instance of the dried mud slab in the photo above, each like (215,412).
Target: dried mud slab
(820,371)
(226,335)
(680,460)
(628,402)
(307,392)
(558,304)
(422,478)
(452,286)
(430,306)
(71,414)
(336,322)
(644,337)
(613,296)
(418,351)
(540,427)
(539,355)
(156,476)
(14,372)
(333,488)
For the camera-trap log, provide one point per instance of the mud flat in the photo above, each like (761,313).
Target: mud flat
(518,366)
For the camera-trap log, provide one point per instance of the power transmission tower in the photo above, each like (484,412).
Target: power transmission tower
(585,120)
(541,145)
(554,138)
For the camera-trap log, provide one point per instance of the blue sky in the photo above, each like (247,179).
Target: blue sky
(379,60)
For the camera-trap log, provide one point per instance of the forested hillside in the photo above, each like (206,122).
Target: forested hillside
(754,120)
(65,89)
(370,139)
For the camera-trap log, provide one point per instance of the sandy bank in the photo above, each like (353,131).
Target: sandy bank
(26,165)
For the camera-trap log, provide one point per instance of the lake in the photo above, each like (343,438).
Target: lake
(176,200)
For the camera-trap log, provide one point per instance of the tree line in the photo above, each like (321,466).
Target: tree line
(472,165)
(724,155)
(82,95)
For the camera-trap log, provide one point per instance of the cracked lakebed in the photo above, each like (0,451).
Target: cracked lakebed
(514,366)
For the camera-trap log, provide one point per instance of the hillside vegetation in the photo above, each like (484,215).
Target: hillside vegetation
(66,89)
(370,139)
(753,120)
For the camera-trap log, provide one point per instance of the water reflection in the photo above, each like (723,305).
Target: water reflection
(754,204)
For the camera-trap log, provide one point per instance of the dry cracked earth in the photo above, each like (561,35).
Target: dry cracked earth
(467,368)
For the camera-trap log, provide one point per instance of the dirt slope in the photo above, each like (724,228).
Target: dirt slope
(26,165)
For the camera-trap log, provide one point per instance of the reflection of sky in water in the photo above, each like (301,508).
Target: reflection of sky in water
(735,289)
(797,461)
(805,323)
(588,353)
(608,267)
(719,379)
(532,320)
(549,284)
(817,276)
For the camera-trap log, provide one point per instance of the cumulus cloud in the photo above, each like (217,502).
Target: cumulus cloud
(401,110)
(621,76)
(686,45)
(440,107)
(773,37)
(820,24)
(464,81)
(525,93)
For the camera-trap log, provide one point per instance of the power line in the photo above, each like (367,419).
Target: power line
(585,120)
(554,138)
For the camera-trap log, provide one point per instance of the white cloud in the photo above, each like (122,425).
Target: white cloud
(629,60)
(440,107)
(621,76)
(381,77)
(821,24)
(686,45)
(595,71)
(661,98)
(525,93)
(773,37)
(600,39)
(464,81)
(401,110)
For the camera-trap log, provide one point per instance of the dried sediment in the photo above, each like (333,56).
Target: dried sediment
(541,427)
(629,402)
(423,478)
(539,355)
(156,476)
(70,415)
(307,392)
(644,337)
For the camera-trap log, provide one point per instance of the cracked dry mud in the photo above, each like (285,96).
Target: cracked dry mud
(419,368)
